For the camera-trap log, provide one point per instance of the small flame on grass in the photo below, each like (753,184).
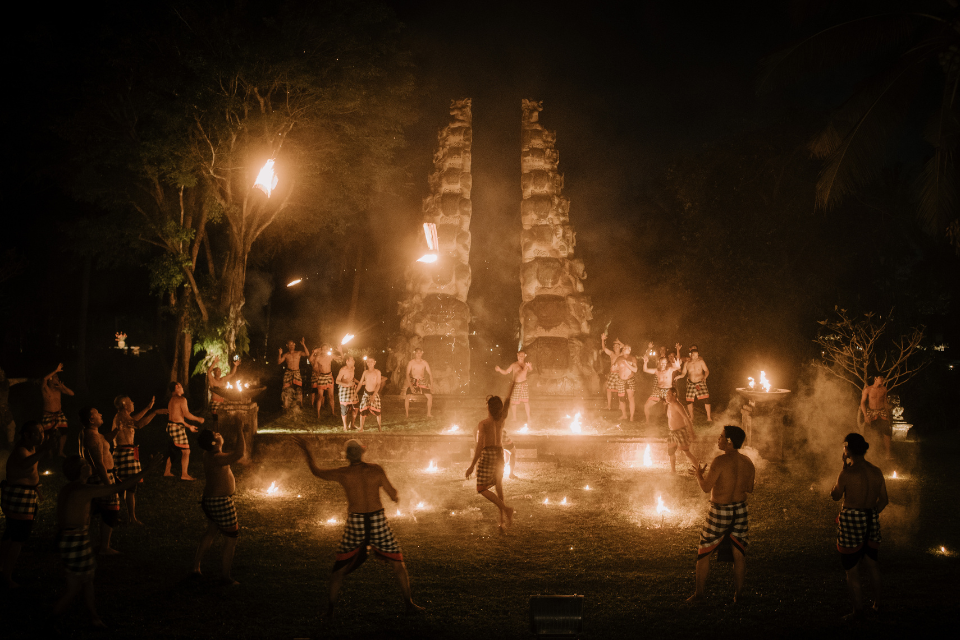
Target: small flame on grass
(564,501)
(506,471)
(575,425)
(546,501)
(587,488)
(272,489)
(647,460)
(894,475)
(399,514)
(332,521)
(661,508)
(420,505)
(524,429)
(432,467)
(453,429)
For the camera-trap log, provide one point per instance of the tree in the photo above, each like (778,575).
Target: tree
(853,350)
(908,57)
(186,111)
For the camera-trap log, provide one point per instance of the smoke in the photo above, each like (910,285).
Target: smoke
(257,290)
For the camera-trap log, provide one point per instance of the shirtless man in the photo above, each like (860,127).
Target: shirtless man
(519,391)
(8,428)
(696,372)
(613,378)
(876,413)
(488,457)
(419,379)
(53,418)
(728,481)
(20,494)
(292,381)
(127,458)
(321,376)
(215,381)
(371,382)
(96,451)
(178,414)
(864,494)
(73,520)
(366,524)
(626,366)
(348,392)
(663,381)
(217,501)
(681,431)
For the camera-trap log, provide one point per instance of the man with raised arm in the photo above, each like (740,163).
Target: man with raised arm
(876,413)
(519,391)
(127,454)
(321,376)
(96,451)
(681,431)
(215,380)
(613,379)
(177,415)
(217,502)
(419,379)
(371,382)
(73,521)
(728,482)
(366,524)
(488,457)
(292,391)
(696,372)
(53,421)
(626,366)
(348,392)
(663,381)
(20,494)
(864,493)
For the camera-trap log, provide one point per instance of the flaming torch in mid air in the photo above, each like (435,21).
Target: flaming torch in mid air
(433,243)
(266,179)
(347,338)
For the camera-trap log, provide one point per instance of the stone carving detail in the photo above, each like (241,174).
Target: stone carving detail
(434,314)
(555,315)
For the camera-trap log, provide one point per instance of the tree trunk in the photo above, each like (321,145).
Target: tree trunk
(182,345)
(82,322)
(234,279)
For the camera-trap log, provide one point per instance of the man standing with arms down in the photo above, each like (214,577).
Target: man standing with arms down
(419,381)
(371,381)
(366,525)
(728,481)
(876,412)
(519,390)
(864,494)
(54,422)
(96,451)
(321,377)
(217,502)
(696,372)
(681,431)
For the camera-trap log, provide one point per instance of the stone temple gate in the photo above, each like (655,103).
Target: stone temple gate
(554,315)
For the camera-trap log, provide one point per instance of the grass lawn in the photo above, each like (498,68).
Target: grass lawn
(607,544)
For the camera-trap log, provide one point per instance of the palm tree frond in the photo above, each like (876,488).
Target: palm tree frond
(937,207)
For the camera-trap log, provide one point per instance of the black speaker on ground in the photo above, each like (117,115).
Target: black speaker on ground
(556,616)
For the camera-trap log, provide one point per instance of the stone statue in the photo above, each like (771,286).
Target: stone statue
(555,314)
(434,314)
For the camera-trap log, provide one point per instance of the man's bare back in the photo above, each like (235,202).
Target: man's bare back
(490,433)
(219,476)
(734,473)
(677,417)
(861,485)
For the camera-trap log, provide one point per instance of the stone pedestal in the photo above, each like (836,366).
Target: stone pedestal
(763,424)
(234,418)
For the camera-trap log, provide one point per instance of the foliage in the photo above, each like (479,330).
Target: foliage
(211,340)
(853,350)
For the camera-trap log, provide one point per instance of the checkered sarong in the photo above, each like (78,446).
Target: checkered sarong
(680,438)
(856,526)
(521,392)
(419,386)
(658,393)
(366,530)
(53,420)
(348,395)
(878,414)
(178,434)
(18,501)
(126,461)
(370,402)
(725,522)
(489,468)
(76,552)
(106,503)
(613,380)
(321,380)
(697,390)
(292,378)
(215,403)
(222,512)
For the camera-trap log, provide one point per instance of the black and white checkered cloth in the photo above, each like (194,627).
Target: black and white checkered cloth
(366,530)
(679,438)
(658,393)
(76,552)
(178,434)
(348,395)
(222,512)
(489,468)
(53,420)
(292,378)
(731,521)
(19,502)
(420,386)
(521,392)
(370,402)
(110,502)
(126,461)
(613,380)
(856,527)
(321,380)
(697,390)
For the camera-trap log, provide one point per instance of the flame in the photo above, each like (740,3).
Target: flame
(432,467)
(524,429)
(347,338)
(506,470)
(546,501)
(427,257)
(647,460)
(661,508)
(420,505)
(586,488)
(364,357)
(575,425)
(266,179)
(764,382)
(273,489)
(46,473)
(564,501)
(894,474)
(229,386)
(433,243)
(943,549)
(751,383)
(332,521)
(297,281)
(453,429)
(246,385)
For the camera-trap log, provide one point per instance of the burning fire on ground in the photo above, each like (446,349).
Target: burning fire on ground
(273,489)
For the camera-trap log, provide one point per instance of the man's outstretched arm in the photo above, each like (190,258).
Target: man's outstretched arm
(323,474)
